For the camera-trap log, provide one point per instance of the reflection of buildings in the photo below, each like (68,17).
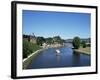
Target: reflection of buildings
(30,38)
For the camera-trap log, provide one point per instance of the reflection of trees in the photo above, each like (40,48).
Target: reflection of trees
(76,58)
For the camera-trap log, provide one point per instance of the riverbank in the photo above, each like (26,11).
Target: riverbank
(83,50)
(29,59)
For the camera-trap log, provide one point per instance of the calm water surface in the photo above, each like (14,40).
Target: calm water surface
(67,58)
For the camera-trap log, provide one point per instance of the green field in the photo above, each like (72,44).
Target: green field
(86,50)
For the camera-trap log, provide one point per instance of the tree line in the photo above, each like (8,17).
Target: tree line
(29,47)
(49,40)
(77,43)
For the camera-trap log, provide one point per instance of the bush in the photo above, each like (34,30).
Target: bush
(40,40)
(29,48)
(88,45)
(83,44)
(76,42)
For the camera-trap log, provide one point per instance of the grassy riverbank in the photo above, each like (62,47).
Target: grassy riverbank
(29,48)
(29,59)
(31,51)
(86,50)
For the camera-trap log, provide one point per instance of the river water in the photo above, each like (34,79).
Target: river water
(67,58)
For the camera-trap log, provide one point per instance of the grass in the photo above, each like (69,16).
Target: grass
(29,48)
(86,50)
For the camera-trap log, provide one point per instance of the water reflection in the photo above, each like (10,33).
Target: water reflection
(75,59)
(58,58)
(67,58)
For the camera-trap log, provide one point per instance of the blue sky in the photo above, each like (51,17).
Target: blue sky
(48,24)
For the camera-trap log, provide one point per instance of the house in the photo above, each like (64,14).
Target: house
(30,38)
(44,45)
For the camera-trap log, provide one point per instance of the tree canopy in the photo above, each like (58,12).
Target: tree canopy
(76,42)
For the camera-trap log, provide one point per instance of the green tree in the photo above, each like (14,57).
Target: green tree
(40,40)
(28,48)
(83,44)
(57,39)
(76,42)
(49,40)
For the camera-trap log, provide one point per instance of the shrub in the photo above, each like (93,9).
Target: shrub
(88,45)
(83,44)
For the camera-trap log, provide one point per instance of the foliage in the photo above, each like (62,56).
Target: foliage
(76,42)
(29,48)
(83,44)
(57,39)
(88,45)
(49,40)
(40,40)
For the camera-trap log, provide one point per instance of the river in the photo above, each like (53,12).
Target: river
(67,58)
